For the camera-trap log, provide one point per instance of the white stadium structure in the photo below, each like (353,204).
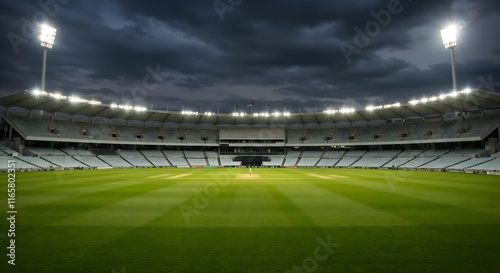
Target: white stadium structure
(452,132)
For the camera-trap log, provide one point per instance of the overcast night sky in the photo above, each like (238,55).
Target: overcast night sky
(205,53)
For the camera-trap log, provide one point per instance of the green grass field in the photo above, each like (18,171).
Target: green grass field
(223,220)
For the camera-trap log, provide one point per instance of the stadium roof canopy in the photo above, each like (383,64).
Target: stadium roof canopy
(470,101)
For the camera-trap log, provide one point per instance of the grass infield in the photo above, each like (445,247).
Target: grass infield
(275,220)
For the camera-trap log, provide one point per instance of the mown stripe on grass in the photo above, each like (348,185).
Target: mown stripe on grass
(287,208)
(134,210)
(449,186)
(66,247)
(434,182)
(413,209)
(60,180)
(471,182)
(83,202)
(50,195)
(476,209)
(326,208)
(252,206)
(204,206)
(211,249)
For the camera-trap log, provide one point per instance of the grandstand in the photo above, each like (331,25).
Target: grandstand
(115,162)
(229,161)
(274,161)
(92,162)
(46,133)
(66,162)
(491,165)
(196,158)
(327,162)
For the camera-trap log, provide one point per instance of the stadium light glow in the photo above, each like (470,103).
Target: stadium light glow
(261,114)
(58,96)
(119,106)
(385,106)
(74,99)
(47,37)
(449,36)
(238,114)
(452,94)
(347,110)
(189,113)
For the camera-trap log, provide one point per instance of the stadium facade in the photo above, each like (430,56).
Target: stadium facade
(453,132)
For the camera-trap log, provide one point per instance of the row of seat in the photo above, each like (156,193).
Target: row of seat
(387,132)
(394,132)
(433,160)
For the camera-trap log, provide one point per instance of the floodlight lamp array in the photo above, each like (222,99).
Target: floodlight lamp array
(76,99)
(341,110)
(440,97)
(449,36)
(385,106)
(264,114)
(47,36)
(58,96)
(189,113)
(281,114)
(128,107)
(261,114)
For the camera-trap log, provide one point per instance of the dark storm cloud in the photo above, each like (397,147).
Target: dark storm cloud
(271,52)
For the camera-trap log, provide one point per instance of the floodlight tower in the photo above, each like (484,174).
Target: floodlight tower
(449,36)
(47,37)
